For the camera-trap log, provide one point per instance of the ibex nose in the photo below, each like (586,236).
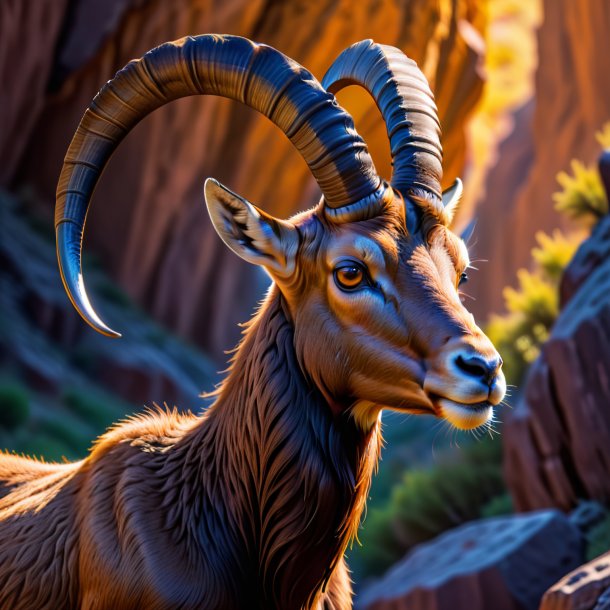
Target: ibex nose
(477,367)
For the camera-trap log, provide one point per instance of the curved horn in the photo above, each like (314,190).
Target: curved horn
(403,96)
(232,67)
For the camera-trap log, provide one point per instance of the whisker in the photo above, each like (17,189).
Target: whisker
(440,429)
(472,240)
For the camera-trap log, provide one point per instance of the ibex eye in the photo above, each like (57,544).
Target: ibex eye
(350,276)
(463,278)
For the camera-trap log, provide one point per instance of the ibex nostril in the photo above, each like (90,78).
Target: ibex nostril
(477,367)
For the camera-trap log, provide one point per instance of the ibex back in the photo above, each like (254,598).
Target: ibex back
(252,504)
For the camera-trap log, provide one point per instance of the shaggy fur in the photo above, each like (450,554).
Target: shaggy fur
(250,506)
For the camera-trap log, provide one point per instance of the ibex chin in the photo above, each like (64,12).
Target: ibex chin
(252,504)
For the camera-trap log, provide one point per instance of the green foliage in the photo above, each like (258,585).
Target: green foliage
(553,254)
(536,298)
(113,294)
(45,447)
(498,506)
(603,135)
(430,501)
(533,306)
(65,436)
(14,404)
(598,540)
(582,196)
(96,408)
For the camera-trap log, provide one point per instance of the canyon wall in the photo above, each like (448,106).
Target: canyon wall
(570,103)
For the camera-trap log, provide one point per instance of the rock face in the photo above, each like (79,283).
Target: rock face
(570,104)
(586,588)
(148,222)
(25,70)
(43,339)
(556,440)
(505,563)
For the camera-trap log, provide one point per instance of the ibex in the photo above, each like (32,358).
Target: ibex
(252,504)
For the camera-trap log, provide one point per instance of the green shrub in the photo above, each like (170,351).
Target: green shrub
(598,540)
(582,196)
(603,135)
(66,433)
(97,409)
(553,254)
(109,291)
(431,501)
(498,506)
(532,307)
(14,404)
(43,446)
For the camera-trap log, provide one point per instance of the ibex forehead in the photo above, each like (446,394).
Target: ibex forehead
(443,239)
(378,250)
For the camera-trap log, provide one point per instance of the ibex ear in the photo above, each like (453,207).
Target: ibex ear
(251,233)
(451,200)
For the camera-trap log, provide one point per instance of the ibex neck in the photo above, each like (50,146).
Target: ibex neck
(295,476)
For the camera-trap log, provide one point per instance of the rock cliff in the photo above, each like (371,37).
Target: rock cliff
(570,103)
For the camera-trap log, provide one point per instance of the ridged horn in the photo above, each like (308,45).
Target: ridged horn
(405,100)
(233,67)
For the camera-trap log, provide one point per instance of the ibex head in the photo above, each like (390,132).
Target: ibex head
(371,275)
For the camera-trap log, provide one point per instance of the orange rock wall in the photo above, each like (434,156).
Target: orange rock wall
(570,104)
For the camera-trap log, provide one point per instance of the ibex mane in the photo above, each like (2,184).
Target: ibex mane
(252,504)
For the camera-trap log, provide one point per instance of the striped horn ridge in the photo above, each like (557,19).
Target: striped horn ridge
(229,66)
(407,106)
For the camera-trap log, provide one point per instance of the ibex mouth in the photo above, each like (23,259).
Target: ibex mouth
(461,415)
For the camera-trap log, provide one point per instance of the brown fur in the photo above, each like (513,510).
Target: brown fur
(249,506)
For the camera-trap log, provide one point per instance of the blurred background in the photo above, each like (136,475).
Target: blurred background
(524,100)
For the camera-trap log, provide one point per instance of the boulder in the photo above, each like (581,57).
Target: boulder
(603,603)
(586,588)
(504,563)
(557,439)
(43,338)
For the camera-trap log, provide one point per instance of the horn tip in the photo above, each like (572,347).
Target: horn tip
(81,303)
(72,278)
